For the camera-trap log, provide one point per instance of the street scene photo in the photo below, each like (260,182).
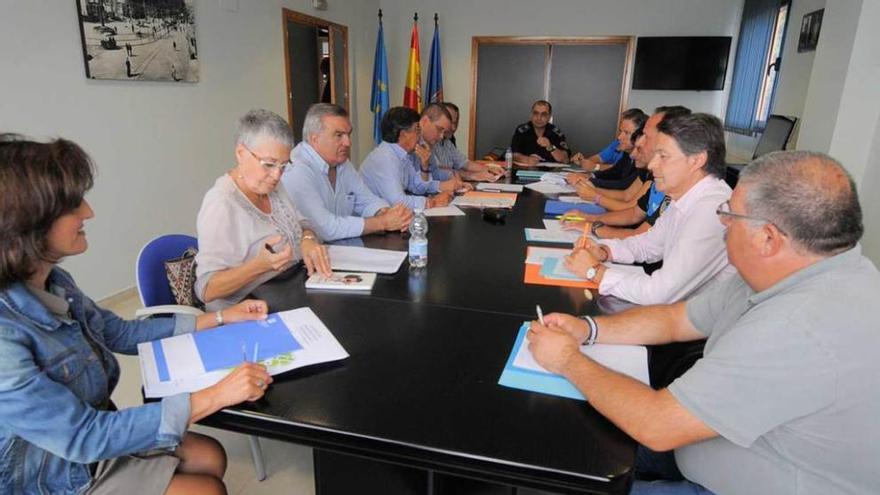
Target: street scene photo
(146,40)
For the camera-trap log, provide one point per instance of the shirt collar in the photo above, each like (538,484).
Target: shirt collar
(849,258)
(694,194)
(22,300)
(399,152)
(310,157)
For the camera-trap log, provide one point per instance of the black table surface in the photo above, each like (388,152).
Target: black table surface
(426,349)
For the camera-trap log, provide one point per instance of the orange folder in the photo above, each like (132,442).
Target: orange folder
(490,195)
(533,276)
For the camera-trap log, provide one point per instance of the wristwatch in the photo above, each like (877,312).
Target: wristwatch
(593,271)
(595,227)
(551,148)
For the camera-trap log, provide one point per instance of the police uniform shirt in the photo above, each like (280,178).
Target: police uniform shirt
(525,141)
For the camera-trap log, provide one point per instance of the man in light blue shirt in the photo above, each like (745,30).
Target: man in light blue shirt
(327,189)
(389,169)
(447,156)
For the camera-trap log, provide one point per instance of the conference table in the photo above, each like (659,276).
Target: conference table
(417,407)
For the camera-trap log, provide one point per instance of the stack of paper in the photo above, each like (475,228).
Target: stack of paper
(536,273)
(573,199)
(550,188)
(443,211)
(361,259)
(479,199)
(495,187)
(552,232)
(194,361)
(524,373)
(530,174)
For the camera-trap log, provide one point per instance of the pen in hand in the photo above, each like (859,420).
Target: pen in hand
(271,250)
(540,314)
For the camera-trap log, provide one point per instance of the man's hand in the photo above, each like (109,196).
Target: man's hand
(423,151)
(576,159)
(441,199)
(552,347)
(396,218)
(544,142)
(534,159)
(579,261)
(575,178)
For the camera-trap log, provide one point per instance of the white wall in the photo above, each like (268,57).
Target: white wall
(157,146)
(460,20)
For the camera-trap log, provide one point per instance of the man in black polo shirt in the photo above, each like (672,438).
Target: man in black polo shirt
(538,140)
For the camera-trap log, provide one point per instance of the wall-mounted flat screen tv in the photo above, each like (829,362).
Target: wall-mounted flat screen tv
(681,62)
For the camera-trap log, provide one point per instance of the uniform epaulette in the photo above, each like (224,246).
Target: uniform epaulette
(523,128)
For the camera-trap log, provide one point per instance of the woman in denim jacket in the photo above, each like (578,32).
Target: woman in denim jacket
(59,432)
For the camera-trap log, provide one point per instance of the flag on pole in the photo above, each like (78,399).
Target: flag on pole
(434,91)
(412,91)
(379,97)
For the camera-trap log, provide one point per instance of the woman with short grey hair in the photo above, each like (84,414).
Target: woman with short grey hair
(249,230)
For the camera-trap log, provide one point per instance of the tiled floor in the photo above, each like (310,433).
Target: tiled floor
(289,466)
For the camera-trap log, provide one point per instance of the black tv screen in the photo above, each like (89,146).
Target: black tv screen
(681,63)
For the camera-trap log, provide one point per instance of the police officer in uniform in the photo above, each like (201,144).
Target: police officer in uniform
(538,140)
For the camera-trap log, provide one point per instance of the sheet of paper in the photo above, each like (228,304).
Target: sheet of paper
(572,199)
(191,362)
(554,269)
(631,360)
(479,199)
(537,255)
(553,165)
(549,188)
(361,259)
(443,211)
(554,236)
(495,187)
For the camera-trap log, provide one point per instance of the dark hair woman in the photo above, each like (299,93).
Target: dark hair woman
(59,431)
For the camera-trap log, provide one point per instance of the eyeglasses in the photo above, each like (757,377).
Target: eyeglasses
(724,210)
(269,166)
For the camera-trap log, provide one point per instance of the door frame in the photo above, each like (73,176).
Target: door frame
(288,15)
(547,41)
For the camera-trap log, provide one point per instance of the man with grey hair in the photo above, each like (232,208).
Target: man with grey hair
(785,398)
(325,186)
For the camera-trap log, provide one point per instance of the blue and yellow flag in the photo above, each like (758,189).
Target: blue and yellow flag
(379,97)
(434,91)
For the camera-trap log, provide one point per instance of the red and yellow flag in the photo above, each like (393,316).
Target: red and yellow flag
(412,90)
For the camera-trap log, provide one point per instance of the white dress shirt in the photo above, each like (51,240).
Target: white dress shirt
(688,237)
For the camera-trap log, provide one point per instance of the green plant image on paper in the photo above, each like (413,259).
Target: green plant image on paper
(279,360)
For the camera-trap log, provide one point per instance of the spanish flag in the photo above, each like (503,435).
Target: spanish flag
(412,91)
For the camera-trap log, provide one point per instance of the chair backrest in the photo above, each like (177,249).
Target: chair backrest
(776,135)
(152,283)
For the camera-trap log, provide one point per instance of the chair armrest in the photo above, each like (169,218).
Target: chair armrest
(167,309)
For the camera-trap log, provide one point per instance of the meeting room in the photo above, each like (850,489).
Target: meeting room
(439,247)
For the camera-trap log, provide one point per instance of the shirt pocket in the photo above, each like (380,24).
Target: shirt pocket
(65,367)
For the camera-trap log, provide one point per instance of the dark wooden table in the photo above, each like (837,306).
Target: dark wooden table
(417,407)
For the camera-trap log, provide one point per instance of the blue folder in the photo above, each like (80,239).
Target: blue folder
(226,346)
(535,381)
(554,207)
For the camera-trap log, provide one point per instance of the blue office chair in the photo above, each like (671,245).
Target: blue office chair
(157,298)
(152,282)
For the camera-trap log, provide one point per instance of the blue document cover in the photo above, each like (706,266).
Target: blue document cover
(533,380)
(553,207)
(227,346)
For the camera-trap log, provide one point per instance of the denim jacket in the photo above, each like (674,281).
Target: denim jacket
(54,388)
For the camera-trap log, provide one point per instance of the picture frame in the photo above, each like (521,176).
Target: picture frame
(143,40)
(811,25)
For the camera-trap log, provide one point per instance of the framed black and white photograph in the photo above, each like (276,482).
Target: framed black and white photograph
(144,40)
(810,27)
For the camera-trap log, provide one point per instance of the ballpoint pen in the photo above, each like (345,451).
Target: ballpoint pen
(540,314)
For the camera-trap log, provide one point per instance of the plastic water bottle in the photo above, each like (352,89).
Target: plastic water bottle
(508,158)
(418,240)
